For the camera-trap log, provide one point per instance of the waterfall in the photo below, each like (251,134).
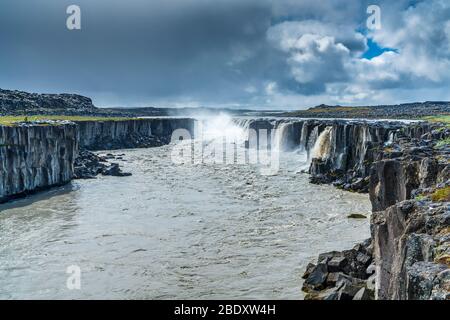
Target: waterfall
(243,123)
(223,127)
(322,147)
(279,138)
(390,140)
(304,136)
(312,139)
(363,145)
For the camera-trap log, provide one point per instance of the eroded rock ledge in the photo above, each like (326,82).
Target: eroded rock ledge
(408,255)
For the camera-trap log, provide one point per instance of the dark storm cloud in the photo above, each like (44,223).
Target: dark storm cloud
(138,49)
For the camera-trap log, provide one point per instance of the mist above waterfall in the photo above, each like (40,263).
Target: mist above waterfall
(221,127)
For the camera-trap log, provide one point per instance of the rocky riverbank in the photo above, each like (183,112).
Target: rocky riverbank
(408,255)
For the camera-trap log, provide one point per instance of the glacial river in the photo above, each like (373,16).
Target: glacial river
(193,231)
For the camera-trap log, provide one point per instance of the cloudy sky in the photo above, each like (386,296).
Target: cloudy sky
(272,54)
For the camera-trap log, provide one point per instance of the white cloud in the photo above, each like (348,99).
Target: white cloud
(324,58)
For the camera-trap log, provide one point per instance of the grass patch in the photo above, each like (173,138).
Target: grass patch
(420,197)
(340,109)
(443,143)
(347,111)
(441,195)
(439,118)
(11,120)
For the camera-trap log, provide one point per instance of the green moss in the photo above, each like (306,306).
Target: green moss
(420,197)
(444,118)
(443,143)
(441,195)
(12,120)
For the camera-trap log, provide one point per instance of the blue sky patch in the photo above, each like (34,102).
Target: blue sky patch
(374,50)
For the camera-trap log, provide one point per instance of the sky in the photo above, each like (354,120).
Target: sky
(258,54)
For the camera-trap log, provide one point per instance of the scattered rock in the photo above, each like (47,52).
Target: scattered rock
(88,165)
(317,278)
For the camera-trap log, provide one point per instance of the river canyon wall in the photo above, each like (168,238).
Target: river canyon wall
(133,133)
(42,155)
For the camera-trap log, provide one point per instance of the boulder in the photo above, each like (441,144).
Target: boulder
(317,278)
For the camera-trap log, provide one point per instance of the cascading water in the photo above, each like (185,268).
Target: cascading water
(390,140)
(312,141)
(279,138)
(304,137)
(366,137)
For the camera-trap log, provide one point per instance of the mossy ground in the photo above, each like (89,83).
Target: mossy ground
(443,143)
(444,118)
(11,120)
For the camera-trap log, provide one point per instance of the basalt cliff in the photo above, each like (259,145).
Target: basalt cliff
(406,170)
(35,157)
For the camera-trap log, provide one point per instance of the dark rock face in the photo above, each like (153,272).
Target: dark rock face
(35,157)
(19,101)
(142,133)
(409,238)
(409,228)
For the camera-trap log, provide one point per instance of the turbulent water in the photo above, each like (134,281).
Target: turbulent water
(191,231)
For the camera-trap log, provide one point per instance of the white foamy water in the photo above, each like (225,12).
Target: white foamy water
(193,231)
